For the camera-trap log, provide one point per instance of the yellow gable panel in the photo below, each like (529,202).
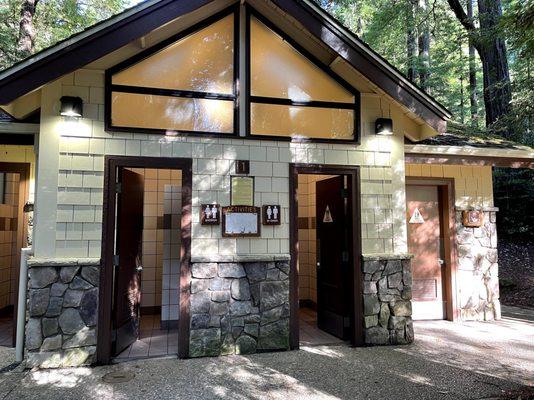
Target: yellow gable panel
(201,62)
(279,70)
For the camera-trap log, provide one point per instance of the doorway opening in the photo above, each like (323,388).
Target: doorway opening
(150,207)
(326,255)
(14,192)
(430,226)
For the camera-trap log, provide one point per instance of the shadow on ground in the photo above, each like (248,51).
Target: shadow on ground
(448,361)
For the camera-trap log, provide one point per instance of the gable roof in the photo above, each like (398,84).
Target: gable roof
(109,35)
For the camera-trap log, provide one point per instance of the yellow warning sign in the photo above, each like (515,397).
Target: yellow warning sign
(416,217)
(327,215)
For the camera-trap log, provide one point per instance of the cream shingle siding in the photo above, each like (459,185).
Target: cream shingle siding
(82,145)
(473,185)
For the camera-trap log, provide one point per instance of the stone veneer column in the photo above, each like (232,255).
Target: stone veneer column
(62,312)
(478,268)
(239,306)
(387,295)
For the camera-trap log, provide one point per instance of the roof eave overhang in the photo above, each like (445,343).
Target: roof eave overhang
(465,155)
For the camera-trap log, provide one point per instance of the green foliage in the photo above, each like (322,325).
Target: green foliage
(384,27)
(54,20)
(9,29)
(513,190)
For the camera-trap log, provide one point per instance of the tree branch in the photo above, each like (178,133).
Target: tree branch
(466,22)
(458,10)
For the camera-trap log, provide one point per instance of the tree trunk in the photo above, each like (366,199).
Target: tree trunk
(473,95)
(424,48)
(411,45)
(26,41)
(492,51)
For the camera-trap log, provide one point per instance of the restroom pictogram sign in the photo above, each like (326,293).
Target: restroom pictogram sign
(327,218)
(417,217)
(271,214)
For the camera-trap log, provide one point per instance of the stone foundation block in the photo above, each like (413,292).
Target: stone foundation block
(387,314)
(63,309)
(239,308)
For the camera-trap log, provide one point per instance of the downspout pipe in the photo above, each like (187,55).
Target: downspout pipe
(25,253)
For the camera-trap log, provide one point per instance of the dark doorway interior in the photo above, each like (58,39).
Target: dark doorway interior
(325,258)
(147,266)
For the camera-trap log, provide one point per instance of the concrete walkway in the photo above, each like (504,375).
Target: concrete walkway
(473,360)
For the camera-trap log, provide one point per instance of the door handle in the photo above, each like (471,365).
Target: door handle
(139,268)
(440,261)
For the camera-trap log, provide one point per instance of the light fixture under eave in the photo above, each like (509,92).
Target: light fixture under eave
(71,106)
(384,126)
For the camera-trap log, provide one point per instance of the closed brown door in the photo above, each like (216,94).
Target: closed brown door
(333,258)
(425,241)
(128,271)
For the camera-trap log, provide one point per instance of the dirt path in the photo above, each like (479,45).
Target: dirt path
(516,272)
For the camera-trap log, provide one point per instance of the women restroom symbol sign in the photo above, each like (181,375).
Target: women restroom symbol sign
(271,214)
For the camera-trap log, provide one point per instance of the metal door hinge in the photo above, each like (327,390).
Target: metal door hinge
(346,322)
(118,187)
(345,193)
(345,256)
(116,260)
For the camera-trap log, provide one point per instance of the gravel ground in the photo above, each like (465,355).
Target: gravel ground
(448,361)
(516,271)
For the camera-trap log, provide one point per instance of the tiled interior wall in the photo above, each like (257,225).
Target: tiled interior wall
(308,235)
(84,142)
(161,240)
(473,185)
(172,213)
(8,239)
(20,154)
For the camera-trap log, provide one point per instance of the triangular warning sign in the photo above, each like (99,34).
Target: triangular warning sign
(416,217)
(327,215)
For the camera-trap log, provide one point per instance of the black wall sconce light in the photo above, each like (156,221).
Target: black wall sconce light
(71,106)
(384,126)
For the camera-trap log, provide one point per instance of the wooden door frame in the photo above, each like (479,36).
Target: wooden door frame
(355,281)
(446,195)
(23,169)
(104,329)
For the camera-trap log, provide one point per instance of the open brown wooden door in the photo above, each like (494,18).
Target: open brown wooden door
(333,259)
(127,274)
(425,241)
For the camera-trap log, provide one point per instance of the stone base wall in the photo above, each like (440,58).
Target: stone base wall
(62,313)
(478,269)
(239,307)
(387,294)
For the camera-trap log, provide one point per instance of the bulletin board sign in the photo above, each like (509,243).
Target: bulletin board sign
(241,221)
(210,214)
(271,214)
(472,218)
(242,191)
